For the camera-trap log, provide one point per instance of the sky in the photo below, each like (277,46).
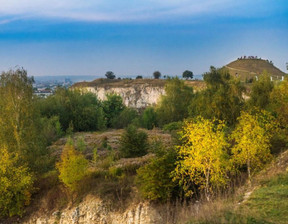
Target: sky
(138,37)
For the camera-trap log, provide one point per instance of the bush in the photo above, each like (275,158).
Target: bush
(133,143)
(83,110)
(125,118)
(112,107)
(72,167)
(154,180)
(174,104)
(149,118)
(223,94)
(174,126)
(51,129)
(16,184)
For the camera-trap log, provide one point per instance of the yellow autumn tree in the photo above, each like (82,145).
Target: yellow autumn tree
(203,160)
(279,102)
(16,184)
(72,167)
(252,137)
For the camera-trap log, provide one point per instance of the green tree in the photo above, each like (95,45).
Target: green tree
(84,110)
(112,106)
(110,75)
(156,75)
(16,184)
(223,94)
(126,117)
(187,74)
(149,118)
(203,160)
(252,137)
(72,167)
(20,124)
(260,92)
(16,108)
(133,143)
(174,104)
(51,129)
(279,102)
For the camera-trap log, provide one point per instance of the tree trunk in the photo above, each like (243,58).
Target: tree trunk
(249,172)
(207,185)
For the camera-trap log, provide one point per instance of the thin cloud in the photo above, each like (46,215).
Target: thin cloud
(113,11)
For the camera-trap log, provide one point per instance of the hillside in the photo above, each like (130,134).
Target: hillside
(263,202)
(249,68)
(109,197)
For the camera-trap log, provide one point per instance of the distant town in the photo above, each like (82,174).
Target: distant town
(45,86)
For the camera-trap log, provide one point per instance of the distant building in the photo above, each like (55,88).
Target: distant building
(43,93)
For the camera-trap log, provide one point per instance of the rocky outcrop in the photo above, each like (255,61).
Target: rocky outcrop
(137,93)
(94,210)
(137,96)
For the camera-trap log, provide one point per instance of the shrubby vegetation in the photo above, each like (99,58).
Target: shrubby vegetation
(260,93)
(222,99)
(154,179)
(125,118)
(23,153)
(217,135)
(20,124)
(16,184)
(148,119)
(82,111)
(174,104)
(72,167)
(133,143)
(112,107)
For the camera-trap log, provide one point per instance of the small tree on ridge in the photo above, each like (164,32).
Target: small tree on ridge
(156,74)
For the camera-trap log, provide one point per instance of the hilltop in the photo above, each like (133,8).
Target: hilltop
(120,83)
(249,68)
(125,83)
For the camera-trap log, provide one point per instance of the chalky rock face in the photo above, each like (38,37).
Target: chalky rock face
(94,210)
(138,96)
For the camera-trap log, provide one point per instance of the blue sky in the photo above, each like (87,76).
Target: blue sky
(129,37)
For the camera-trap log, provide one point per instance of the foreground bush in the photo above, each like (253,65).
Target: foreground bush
(133,143)
(154,179)
(149,118)
(72,167)
(15,184)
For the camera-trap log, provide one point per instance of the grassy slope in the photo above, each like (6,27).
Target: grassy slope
(266,201)
(248,68)
(270,201)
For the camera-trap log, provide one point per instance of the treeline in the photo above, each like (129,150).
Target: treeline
(217,135)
